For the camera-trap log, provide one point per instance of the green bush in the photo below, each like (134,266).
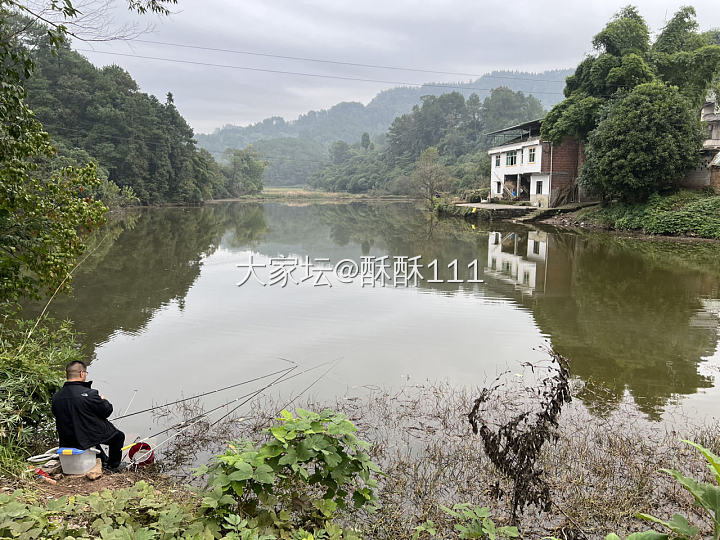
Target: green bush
(31,370)
(470,522)
(290,487)
(311,467)
(690,213)
(137,512)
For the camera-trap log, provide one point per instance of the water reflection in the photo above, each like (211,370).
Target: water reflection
(630,315)
(633,316)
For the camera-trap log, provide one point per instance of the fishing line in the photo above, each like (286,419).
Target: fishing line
(281,379)
(202,395)
(292,377)
(131,401)
(205,414)
(310,386)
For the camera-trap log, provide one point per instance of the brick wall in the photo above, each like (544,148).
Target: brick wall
(715,179)
(545,159)
(567,158)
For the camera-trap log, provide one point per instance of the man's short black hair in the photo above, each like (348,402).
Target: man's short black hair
(74,368)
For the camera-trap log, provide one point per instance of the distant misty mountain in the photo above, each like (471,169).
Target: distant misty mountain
(349,120)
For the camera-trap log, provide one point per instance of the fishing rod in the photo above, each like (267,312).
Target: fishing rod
(310,385)
(257,392)
(202,395)
(286,405)
(281,379)
(289,403)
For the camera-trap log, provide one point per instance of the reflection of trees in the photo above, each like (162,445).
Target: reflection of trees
(624,319)
(148,259)
(360,229)
(620,310)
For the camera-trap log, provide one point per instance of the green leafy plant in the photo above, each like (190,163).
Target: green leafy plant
(31,361)
(140,511)
(312,466)
(470,522)
(707,497)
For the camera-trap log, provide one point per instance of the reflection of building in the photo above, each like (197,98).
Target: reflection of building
(522,167)
(533,261)
(515,258)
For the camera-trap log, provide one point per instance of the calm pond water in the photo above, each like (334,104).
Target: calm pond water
(162,311)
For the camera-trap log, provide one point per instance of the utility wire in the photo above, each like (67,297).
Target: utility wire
(344,63)
(303,74)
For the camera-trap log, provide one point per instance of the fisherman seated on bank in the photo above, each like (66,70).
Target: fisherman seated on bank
(81,416)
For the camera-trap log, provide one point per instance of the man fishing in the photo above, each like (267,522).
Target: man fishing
(81,416)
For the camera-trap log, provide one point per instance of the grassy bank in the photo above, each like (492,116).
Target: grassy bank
(686,213)
(304,194)
(601,471)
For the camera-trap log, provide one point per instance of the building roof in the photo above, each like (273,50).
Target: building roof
(524,126)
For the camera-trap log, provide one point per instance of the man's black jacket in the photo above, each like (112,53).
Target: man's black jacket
(81,416)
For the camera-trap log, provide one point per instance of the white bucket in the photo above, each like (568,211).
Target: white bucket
(74,461)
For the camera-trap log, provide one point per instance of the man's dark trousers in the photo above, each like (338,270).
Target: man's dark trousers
(115,444)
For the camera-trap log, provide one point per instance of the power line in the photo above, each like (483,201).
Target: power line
(304,74)
(343,63)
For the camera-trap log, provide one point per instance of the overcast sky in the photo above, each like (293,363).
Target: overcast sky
(468,36)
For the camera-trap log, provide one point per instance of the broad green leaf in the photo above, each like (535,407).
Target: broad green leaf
(243,471)
(678,524)
(707,495)
(713,460)
(648,535)
(264,474)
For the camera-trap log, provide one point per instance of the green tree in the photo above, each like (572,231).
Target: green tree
(430,176)
(625,58)
(244,172)
(42,219)
(643,144)
(340,152)
(365,141)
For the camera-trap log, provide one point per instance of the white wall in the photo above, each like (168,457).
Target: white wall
(498,172)
(545,179)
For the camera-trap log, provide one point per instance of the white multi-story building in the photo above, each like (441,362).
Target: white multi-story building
(526,168)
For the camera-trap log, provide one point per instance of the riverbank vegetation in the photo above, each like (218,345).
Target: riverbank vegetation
(685,213)
(601,473)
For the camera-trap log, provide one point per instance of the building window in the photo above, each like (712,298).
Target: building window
(536,247)
(497,160)
(526,278)
(511,158)
(531,155)
(538,187)
(499,187)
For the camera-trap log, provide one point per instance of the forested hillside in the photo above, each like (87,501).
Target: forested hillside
(347,121)
(455,126)
(140,143)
